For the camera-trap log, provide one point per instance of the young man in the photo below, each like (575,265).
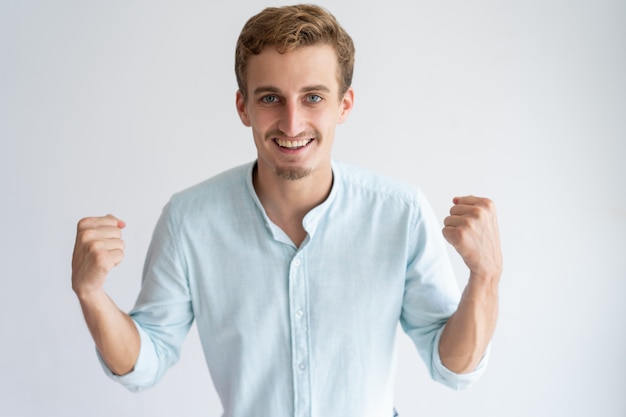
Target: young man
(297,268)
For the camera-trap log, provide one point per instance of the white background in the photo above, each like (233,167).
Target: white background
(113,106)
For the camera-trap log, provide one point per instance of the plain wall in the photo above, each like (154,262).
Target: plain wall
(111,107)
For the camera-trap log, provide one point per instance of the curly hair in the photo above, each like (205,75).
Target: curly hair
(288,28)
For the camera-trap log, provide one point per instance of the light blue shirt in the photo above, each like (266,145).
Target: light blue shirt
(297,331)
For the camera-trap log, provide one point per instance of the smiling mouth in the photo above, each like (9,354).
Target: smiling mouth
(292,144)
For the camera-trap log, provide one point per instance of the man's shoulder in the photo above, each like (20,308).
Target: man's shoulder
(219,187)
(364,180)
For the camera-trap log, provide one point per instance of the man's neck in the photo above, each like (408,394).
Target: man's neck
(287,201)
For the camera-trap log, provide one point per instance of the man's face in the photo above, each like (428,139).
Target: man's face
(293,106)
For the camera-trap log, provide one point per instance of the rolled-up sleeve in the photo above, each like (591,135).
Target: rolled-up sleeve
(431,296)
(162,314)
(452,379)
(142,376)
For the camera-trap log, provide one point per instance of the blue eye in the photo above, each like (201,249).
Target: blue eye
(269,99)
(313,98)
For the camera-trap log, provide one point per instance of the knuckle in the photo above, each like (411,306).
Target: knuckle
(489,204)
(84,223)
(460,233)
(476,212)
(94,248)
(102,259)
(453,234)
(466,221)
(119,256)
(87,235)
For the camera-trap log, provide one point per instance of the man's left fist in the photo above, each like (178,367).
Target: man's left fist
(472,229)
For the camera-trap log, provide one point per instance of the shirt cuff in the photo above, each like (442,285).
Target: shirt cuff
(143,374)
(452,379)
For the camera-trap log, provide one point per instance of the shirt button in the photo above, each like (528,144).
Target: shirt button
(299,314)
(302,366)
(297,262)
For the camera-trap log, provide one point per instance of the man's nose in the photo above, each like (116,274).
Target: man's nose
(292,121)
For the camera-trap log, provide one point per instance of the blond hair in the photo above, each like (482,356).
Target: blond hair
(288,28)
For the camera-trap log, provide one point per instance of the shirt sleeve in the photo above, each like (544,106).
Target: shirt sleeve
(162,314)
(431,296)
(452,379)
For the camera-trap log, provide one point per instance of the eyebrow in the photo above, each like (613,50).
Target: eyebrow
(318,87)
(307,89)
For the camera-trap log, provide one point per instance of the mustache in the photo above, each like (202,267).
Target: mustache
(305,134)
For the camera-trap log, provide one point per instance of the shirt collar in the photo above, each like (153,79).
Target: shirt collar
(311,219)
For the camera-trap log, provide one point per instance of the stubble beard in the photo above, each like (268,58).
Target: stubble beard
(293,173)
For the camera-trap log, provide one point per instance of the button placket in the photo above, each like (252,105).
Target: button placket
(299,335)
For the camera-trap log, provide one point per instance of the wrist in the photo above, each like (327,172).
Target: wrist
(486,276)
(90,296)
(483,285)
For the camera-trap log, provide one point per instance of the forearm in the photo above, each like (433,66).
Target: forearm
(469,330)
(113,331)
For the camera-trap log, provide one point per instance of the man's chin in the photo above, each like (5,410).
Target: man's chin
(292,173)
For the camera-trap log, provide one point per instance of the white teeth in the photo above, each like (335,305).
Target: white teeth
(293,144)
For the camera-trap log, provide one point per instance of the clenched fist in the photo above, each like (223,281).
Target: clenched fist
(472,229)
(99,247)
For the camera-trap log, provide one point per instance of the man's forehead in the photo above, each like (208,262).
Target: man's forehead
(305,68)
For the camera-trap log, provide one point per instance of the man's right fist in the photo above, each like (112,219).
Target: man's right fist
(99,247)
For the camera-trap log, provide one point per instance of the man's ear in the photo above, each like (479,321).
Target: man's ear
(345,107)
(240,102)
